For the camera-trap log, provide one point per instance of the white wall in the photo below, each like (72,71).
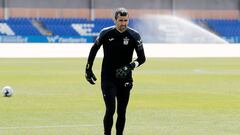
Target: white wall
(41,50)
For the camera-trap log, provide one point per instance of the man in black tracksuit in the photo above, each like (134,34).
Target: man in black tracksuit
(119,43)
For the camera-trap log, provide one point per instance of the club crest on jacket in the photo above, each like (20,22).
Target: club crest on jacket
(125,40)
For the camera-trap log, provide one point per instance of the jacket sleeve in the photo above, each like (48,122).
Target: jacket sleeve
(93,51)
(92,55)
(139,51)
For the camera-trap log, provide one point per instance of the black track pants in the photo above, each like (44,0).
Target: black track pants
(115,91)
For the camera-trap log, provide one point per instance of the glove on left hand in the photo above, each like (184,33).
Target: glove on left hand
(122,72)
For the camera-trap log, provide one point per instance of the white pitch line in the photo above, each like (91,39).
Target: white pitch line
(54,126)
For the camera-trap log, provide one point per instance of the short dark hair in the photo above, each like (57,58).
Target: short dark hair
(120,12)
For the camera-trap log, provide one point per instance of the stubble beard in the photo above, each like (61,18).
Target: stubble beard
(123,28)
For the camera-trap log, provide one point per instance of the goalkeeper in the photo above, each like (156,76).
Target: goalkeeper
(119,43)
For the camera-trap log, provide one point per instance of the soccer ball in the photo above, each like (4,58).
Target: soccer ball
(7,91)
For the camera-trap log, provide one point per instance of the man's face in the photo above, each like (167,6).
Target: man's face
(122,23)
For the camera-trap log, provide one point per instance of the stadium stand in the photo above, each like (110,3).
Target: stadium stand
(22,26)
(225,28)
(5,29)
(75,27)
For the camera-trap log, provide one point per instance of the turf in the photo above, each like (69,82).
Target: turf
(171,96)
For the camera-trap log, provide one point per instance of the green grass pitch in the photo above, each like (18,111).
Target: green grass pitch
(171,96)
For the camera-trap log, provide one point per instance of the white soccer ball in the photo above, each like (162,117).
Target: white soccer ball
(7,91)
